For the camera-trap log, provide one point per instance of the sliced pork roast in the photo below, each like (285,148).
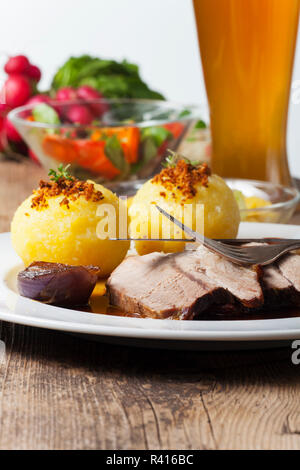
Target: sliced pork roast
(182,285)
(278,291)
(289,267)
(241,282)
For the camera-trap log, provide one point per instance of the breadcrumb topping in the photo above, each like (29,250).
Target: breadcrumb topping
(70,188)
(184,177)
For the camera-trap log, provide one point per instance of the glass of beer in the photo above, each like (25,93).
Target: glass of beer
(247,50)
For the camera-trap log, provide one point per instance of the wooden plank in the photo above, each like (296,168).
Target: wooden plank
(59,391)
(17,181)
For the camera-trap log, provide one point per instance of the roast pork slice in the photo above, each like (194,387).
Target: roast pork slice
(278,290)
(160,286)
(242,282)
(289,267)
(181,285)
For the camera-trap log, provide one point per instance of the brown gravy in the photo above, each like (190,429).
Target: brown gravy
(270,314)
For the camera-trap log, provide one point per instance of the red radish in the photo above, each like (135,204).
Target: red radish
(3,140)
(34,73)
(86,92)
(17,90)
(33,157)
(66,94)
(4,109)
(39,99)
(79,114)
(17,64)
(11,131)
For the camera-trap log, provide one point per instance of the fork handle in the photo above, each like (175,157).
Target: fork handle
(240,241)
(291,246)
(291,243)
(285,249)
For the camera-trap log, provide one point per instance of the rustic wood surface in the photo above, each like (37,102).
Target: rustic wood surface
(59,391)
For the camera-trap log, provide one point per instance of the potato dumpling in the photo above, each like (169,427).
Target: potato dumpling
(52,225)
(173,189)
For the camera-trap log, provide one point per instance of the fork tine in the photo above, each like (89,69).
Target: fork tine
(237,259)
(241,255)
(235,254)
(238,254)
(259,254)
(235,251)
(247,255)
(228,251)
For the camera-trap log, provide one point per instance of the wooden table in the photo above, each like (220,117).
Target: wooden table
(58,391)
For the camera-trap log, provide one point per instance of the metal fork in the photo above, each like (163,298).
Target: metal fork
(242,255)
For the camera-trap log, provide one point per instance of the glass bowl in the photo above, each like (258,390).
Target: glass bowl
(282,200)
(123,140)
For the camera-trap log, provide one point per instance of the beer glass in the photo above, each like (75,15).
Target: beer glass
(247,51)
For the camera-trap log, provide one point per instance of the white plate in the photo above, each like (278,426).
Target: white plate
(138,331)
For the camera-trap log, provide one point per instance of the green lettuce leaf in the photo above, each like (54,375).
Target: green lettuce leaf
(157,133)
(111,78)
(114,152)
(42,112)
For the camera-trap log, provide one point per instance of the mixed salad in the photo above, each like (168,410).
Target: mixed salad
(110,152)
(82,77)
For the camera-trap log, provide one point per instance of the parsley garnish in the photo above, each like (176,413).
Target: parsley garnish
(173,157)
(61,173)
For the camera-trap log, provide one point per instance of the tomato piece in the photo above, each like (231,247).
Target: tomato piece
(96,135)
(175,128)
(89,152)
(60,148)
(129,138)
(163,148)
(91,155)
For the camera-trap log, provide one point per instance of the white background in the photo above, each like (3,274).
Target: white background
(159,35)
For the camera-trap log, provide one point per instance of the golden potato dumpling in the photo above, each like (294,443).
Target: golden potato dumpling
(212,210)
(67,234)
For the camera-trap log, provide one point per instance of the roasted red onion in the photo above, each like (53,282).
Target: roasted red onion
(58,284)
